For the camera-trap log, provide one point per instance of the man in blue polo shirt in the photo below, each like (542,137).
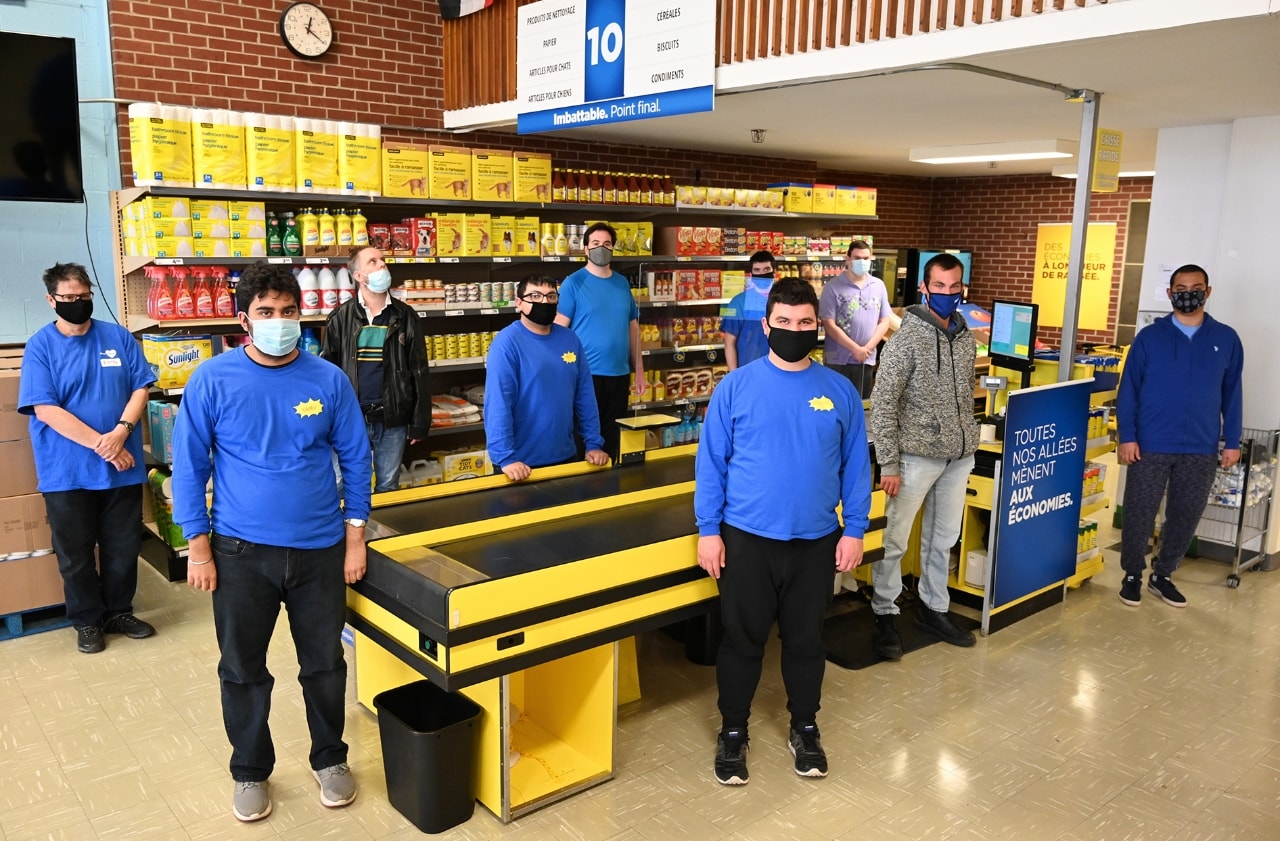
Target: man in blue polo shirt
(742,319)
(84,382)
(597,303)
(538,389)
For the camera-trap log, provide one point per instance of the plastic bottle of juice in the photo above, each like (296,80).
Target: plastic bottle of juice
(359,231)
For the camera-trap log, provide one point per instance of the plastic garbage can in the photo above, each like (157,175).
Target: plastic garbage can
(428,750)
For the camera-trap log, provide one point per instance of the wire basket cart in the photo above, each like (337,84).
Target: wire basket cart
(1235,522)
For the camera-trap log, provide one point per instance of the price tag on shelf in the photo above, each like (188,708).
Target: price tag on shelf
(502,259)
(169,261)
(660,303)
(280,261)
(317,261)
(552,259)
(645,352)
(448,259)
(426,259)
(488,312)
(455,312)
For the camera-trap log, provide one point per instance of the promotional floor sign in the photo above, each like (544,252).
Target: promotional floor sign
(1042,473)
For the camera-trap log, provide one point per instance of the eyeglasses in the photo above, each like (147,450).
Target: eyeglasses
(71,299)
(539,297)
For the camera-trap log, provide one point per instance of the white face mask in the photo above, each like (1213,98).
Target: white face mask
(379,281)
(860,267)
(275,336)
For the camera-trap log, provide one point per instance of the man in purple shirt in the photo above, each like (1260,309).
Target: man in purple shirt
(855,314)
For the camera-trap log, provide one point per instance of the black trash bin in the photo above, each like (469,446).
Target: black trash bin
(428,750)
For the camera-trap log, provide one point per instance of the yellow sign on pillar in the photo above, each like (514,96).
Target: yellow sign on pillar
(1049,289)
(1106,160)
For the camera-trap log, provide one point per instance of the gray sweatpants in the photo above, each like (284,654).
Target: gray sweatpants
(1185,480)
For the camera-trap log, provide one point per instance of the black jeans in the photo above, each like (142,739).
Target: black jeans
(111,520)
(862,376)
(764,579)
(611,400)
(1184,481)
(253,579)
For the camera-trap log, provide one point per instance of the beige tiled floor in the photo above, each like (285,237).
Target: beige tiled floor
(1089,721)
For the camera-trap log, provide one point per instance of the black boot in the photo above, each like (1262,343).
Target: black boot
(885,639)
(940,625)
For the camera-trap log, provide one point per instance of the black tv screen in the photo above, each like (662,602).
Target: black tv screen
(39,119)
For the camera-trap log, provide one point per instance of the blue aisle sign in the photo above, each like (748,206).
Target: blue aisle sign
(588,62)
(1042,474)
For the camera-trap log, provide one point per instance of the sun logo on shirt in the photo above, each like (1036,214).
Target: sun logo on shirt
(309,408)
(822,404)
(569,357)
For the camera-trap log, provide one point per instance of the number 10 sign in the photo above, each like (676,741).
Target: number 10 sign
(587,62)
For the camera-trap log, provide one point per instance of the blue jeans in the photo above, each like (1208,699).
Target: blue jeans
(388,451)
(253,580)
(111,520)
(939,485)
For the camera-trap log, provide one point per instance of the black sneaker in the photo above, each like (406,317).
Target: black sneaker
(731,758)
(1131,590)
(885,639)
(1162,586)
(89,639)
(941,626)
(129,625)
(806,747)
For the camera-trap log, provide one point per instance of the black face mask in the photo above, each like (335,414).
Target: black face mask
(74,312)
(542,313)
(792,345)
(1187,301)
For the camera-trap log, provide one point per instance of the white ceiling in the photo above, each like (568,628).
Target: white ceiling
(1192,75)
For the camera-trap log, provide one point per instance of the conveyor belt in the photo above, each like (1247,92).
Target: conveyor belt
(519,497)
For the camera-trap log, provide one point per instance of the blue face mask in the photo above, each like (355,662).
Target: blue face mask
(860,267)
(275,336)
(943,305)
(380,281)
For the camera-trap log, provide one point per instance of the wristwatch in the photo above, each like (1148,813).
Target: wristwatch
(125,424)
(354,523)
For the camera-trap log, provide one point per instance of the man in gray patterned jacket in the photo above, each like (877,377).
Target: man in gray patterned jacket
(925,437)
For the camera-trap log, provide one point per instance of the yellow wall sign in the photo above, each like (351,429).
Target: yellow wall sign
(1049,290)
(1106,160)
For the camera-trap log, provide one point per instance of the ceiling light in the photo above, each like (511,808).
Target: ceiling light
(1144,169)
(1013,150)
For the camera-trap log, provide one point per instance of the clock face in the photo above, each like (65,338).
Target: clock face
(306,30)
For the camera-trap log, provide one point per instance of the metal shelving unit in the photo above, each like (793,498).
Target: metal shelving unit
(1238,515)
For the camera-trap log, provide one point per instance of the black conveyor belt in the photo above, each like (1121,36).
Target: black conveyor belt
(518,497)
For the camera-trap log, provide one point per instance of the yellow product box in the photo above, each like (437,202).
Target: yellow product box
(248,229)
(462,464)
(846,200)
(316,158)
(864,203)
(526,236)
(238,210)
(502,236)
(450,237)
(796,198)
(643,239)
(404,170)
(625,246)
(160,148)
(491,175)
(476,237)
(173,247)
(218,156)
(824,198)
(269,157)
(360,164)
(213,247)
(248,248)
(202,210)
(168,207)
(211,229)
(135,247)
(531,172)
(173,358)
(449,172)
(166,228)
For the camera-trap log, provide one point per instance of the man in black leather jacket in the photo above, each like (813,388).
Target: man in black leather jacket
(379,343)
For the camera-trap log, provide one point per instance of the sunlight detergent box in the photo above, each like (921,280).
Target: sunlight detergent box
(404,170)
(491,175)
(449,172)
(173,358)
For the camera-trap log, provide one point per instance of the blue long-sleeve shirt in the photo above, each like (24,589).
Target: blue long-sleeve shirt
(535,388)
(267,436)
(1180,395)
(779,450)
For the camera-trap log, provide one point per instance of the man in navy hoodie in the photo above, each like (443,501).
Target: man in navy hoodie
(1179,395)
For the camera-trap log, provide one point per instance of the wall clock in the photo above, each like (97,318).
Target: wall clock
(306,30)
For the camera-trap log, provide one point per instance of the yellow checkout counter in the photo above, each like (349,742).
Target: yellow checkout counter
(521,597)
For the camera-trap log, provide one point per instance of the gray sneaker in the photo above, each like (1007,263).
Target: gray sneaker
(337,786)
(250,802)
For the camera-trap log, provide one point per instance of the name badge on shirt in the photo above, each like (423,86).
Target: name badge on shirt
(109,363)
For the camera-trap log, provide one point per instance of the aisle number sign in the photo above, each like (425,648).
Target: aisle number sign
(1049,289)
(588,62)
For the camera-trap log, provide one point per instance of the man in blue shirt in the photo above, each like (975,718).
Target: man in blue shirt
(537,384)
(265,421)
(1179,395)
(769,532)
(85,382)
(742,319)
(597,303)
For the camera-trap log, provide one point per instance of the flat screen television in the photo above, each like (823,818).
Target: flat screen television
(40,122)
(1013,334)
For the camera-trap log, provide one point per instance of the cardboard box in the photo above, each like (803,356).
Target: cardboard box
(449,172)
(238,210)
(19,474)
(404,170)
(400,242)
(30,583)
(24,525)
(677,241)
(173,358)
(975,570)
(217,228)
(526,236)
(491,175)
(846,200)
(795,198)
(379,236)
(209,247)
(206,210)
(13,426)
(864,201)
(714,244)
(450,235)
(161,416)
(531,174)
(423,235)
(248,229)
(502,236)
(476,238)
(168,207)
(462,464)
(824,198)
(248,247)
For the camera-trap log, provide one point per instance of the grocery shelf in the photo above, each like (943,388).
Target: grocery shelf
(457,428)
(661,351)
(701,302)
(666,404)
(185,325)
(466,363)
